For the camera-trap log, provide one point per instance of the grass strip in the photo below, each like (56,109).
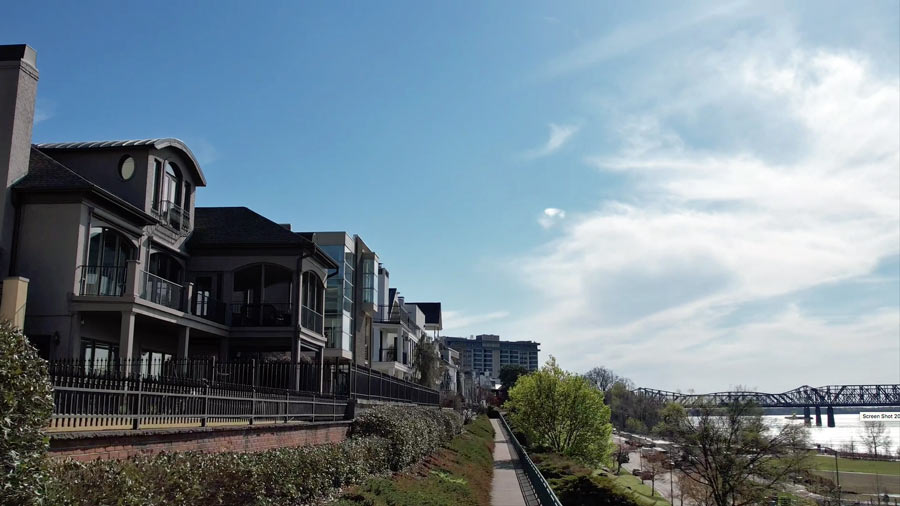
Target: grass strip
(826,463)
(458,475)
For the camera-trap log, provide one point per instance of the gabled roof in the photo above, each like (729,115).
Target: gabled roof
(199,178)
(236,227)
(431,310)
(47,175)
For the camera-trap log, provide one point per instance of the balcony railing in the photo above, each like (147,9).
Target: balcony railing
(204,306)
(265,314)
(388,355)
(161,291)
(102,280)
(312,320)
(175,216)
(395,314)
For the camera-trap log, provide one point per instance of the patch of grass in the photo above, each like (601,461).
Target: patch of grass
(641,493)
(826,463)
(459,475)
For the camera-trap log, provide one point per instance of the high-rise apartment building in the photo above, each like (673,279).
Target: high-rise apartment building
(486,354)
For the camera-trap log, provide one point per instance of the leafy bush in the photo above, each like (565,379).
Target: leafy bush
(413,432)
(384,439)
(26,402)
(576,485)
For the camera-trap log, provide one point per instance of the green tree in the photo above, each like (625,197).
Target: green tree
(26,402)
(732,455)
(510,373)
(427,364)
(563,412)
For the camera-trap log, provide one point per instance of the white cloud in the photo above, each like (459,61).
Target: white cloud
(43,110)
(646,283)
(559,136)
(455,321)
(551,216)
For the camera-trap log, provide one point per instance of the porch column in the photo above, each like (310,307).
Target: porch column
(295,361)
(12,304)
(181,353)
(74,343)
(126,336)
(132,280)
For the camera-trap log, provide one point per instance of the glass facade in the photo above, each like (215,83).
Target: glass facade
(370,281)
(339,299)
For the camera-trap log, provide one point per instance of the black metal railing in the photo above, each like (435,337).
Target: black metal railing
(161,291)
(266,314)
(367,383)
(542,489)
(388,355)
(395,314)
(312,320)
(102,280)
(204,306)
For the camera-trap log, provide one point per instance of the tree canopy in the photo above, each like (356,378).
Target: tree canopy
(510,373)
(562,412)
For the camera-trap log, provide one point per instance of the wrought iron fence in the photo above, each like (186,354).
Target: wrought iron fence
(366,383)
(541,488)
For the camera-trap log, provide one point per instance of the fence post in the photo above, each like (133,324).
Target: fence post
(253,405)
(205,405)
(212,372)
(253,379)
(136,420)
(314,407)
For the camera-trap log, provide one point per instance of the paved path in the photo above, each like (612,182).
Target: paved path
(505,490)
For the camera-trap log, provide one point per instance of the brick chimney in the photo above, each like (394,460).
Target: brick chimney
(18,89)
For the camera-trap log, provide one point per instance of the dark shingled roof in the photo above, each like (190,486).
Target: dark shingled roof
(47,175)
(431,310)
(238,226)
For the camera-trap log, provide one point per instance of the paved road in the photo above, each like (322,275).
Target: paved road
(662,480)
(505,490)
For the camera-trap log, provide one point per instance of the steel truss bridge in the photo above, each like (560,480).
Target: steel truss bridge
(830,396)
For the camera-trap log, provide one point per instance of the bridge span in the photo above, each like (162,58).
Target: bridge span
(805,397)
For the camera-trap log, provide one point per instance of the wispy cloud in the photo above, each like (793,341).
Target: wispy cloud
(559,136)
(43,110)
(706,230)
(551,216)
(458,321)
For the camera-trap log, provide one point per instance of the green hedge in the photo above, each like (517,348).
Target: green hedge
(413,432)
(274,477)
(26,402)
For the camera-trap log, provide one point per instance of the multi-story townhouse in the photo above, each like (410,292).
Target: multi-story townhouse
(123,265)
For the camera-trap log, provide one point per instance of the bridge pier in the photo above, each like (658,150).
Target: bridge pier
(807,419)
(818,416)
(830,413)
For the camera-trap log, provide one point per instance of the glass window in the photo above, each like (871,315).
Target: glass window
(108,254)
(157,174)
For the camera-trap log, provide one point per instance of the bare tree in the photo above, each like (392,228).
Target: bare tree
(656,463)
(621,455)
(875,435)
(734,455)
(602,378)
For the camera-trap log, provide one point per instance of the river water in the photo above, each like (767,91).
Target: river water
(847,427)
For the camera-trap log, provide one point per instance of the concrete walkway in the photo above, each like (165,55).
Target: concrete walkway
(505,490)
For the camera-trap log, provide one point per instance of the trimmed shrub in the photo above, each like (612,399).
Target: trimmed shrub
(383,439)
(414,432)
(26,402)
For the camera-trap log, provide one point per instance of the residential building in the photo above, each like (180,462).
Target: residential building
(486,354)
(123,265)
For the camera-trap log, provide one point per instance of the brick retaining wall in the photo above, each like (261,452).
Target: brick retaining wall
(85,446)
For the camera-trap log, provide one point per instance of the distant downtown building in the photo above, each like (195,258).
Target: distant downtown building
(485,354)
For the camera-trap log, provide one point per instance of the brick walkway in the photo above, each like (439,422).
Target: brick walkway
(505,489)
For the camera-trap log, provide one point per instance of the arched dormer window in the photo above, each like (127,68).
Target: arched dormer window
(108,253)
(262,296)
(313,300)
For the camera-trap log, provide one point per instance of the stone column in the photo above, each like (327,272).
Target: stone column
(74,343)
(132,278)
(181,353)
(829,412)
(12,304)
(127,349)
(818,416)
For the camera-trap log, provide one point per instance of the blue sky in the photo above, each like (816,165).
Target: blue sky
(696,195)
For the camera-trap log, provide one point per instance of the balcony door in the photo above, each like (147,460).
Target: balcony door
(108,254)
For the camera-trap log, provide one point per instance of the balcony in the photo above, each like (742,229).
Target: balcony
(102,280)
(162,291)
(209,308)
(175,217)
(265,314)
(312,320)
(395,314)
